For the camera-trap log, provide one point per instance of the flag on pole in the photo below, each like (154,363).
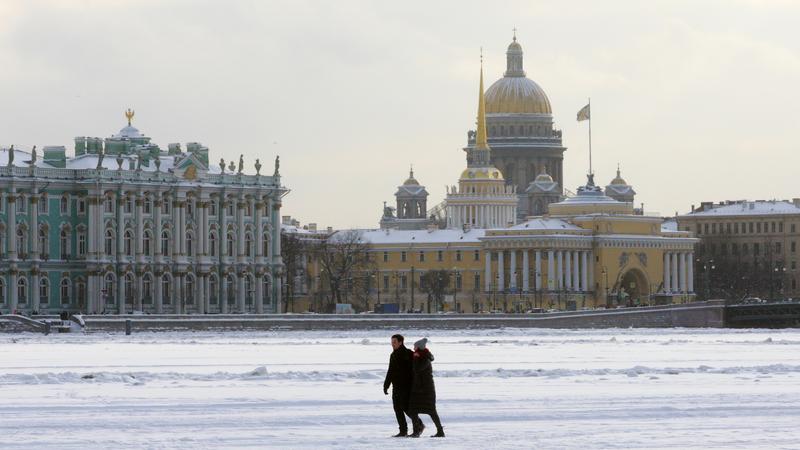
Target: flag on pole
(584,113)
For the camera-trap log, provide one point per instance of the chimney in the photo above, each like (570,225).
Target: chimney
(330,229)
(312,227)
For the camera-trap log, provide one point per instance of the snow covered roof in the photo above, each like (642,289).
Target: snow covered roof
(129,132)
(22,158)
(748,209)
(669,226)
(545,223)
(392,236)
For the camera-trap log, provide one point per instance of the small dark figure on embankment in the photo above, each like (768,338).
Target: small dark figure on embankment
(423,391)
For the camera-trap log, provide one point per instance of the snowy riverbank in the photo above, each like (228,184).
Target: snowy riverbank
(511,388)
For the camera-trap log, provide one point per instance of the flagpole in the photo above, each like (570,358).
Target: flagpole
(590,136)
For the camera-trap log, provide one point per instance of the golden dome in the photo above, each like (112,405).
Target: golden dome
(481,173)
(543,178)
(516,95)
(618,180)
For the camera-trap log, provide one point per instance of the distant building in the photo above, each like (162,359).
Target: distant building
(125,226)
(747,248)
(412,206)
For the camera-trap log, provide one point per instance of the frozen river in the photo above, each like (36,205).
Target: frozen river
(533,388)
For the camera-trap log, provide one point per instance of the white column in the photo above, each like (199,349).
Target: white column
(33,293)
(139,229)
(11,237)
(137,297)
(537,267)
(590,270)
(501,282)
(667,282)
(178,298)
(674,276)
(559,269)
(121,292)
(223,298)
(177,231)
(512,273)
(157,294)
(526,281)
(550,271)
(157,231)
(684,279)
(487,276)
(576,272)
(259,300)
(92,230)
(13,301)
(200,298)
(690,273)
(240,293)
(584,271)
(120,226)
(240,207)
(33,232)
(568,270)
(259,206)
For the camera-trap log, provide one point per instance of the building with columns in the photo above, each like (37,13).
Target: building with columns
(412,207)
(125,226)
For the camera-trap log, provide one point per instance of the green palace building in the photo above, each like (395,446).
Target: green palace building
(124,225)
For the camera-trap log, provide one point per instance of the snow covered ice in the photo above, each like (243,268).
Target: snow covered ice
(511,388)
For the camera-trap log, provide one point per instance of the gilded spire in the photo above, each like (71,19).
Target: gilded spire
(480,134)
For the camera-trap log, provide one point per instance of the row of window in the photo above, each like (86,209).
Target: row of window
(167,285)
(401,282)
(421,255)
(109,206)
(64,241)
(722,248)
(743,228)
(167,243)
(65,290)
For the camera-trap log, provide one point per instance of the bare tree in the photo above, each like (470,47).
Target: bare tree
(345,263)
(435,283)
(292,248)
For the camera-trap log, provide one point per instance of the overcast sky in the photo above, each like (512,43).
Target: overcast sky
(696,100)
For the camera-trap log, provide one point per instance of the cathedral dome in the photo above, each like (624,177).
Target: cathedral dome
(515,93)
(481,173)
(618,180)
(543,178)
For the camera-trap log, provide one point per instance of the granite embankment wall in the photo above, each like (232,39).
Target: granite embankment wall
(700,314)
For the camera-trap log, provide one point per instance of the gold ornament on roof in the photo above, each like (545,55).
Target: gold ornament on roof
(129,115)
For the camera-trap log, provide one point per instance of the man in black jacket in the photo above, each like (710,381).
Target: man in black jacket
(400,375)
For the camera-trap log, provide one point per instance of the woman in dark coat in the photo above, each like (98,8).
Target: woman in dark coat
(423,391)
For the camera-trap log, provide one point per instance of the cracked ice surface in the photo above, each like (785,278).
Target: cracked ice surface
(511,388)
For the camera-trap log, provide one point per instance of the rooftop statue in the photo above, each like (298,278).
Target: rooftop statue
(222,165)
(277,166)
(258,167)
(241,163)
(11,156)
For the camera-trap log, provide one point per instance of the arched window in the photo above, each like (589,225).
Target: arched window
(128,287)
(64,291)
(230,244)
(190,244)
(22,290)
(189,286)
(146,240)
(128,243)
(231,293)
(265,245)
(213,289)
(147,288)
(265,289)
(166,290)
(248,244)
(44,291)
(212,243)
(109,242)
(2,291)
(128,205)
(110,292)
(189,208)
(165,243)
(42,241)
(80,286)
(21,241)
(148,205)
(81,243)
(64,205)
(108,204)
(249,289)
(63,241)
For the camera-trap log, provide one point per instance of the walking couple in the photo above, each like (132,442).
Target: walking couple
(411,376)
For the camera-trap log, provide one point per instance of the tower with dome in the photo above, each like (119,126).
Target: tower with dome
(521,133)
